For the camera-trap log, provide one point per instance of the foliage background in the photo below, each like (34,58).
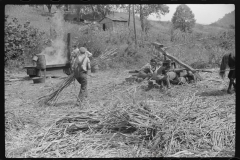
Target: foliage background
(35,36)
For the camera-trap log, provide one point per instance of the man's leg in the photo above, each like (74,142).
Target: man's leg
(142,75)
(83,91)
(230,86)
(230,76)
(164,79)
(234,85)
(167,81)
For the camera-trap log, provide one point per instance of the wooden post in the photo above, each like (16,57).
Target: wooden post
(68,47)
(68,64)
(160,47)
(45,74)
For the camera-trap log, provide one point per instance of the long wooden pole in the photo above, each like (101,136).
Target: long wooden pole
(165,53)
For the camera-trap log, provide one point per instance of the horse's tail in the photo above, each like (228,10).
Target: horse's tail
(224,65)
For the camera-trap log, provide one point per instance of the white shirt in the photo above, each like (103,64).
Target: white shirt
(83,61)
(88,54)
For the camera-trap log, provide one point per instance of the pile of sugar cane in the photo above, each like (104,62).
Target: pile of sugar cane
(193,126)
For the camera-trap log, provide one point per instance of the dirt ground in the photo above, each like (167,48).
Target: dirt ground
(21,99)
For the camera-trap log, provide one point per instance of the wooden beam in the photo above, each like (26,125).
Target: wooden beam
(160,47)
(68,47)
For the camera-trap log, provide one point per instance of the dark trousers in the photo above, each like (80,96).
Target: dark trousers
(231,74)
(82,79)
(142,75)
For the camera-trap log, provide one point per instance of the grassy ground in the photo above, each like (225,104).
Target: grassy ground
(202,111)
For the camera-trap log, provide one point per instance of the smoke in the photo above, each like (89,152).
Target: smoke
(55,54)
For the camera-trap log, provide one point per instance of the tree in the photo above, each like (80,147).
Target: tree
(141,17)
(231,26)
(21,40)
(58,6)
(129,14)
(66,7)
(134,26)
(146,10)
(96,10)
(183,18)
(104,9)
(49,6)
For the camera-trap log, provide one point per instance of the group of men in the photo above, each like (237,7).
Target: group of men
(162,74)
(157,71)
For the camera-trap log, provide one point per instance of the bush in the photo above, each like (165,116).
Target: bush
(21,41)
(92,41)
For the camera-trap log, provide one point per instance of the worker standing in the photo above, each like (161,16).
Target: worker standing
(82,67)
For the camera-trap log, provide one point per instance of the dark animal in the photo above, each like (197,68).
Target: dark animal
(228,60)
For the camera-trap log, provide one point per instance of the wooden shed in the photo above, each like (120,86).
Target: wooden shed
(112,22)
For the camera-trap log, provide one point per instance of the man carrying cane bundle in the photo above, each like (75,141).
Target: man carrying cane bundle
(82,67)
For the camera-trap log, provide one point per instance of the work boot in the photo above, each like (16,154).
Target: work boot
(79,100)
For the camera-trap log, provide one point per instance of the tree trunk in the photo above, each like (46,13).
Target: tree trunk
(134,26)
(93,12)
(171,34)
(66,7)
(141,18)
(129,13)
(49,6)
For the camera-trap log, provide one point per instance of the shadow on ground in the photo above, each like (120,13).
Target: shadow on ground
(213,93)
(65,103)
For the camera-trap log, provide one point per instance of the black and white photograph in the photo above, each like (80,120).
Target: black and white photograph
(119,80)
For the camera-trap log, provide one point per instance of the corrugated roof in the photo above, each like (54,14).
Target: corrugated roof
(115,18)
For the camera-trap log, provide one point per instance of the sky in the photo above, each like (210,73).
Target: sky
(204,13)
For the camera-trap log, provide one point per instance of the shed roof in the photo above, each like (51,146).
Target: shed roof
(115,18)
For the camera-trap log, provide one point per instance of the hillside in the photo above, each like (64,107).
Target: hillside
(227,21)
(158,31)
(36,16)
(39,19)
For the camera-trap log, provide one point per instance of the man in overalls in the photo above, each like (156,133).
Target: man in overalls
(82,67)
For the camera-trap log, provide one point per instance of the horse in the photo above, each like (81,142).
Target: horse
(228,60)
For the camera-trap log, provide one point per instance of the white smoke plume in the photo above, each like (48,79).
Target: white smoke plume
(55,54)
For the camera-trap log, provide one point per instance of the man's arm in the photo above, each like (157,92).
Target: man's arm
(88,66)
(146,68)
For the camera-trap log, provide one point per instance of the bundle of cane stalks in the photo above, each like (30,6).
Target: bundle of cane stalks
(108,53)
(51,98)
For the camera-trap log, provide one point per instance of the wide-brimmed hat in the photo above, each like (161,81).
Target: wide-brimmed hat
(82,49)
